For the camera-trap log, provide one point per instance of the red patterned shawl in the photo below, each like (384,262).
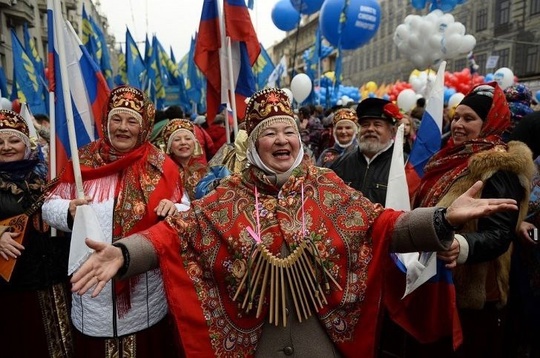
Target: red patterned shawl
(145,176)
(202,255)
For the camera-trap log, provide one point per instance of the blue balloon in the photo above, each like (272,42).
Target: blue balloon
(285,16)
(448,92)
(419,4)
(307,7)
(362,22)
(490,77)
(537,96)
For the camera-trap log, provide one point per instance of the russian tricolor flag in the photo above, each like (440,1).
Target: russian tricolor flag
(428,138)
(211,53)
(88,88)
(428,309)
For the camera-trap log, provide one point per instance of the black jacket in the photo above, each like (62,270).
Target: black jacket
(371,179)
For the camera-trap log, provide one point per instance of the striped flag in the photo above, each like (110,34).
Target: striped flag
(428,137)
(211,55)
(88,88)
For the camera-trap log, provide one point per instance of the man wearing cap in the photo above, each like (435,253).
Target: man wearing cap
(366,169)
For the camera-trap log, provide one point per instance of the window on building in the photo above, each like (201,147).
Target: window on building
(535,7)
(481,62)
(460,64)
(504,57)
(531,61)
(481,19)
(502,12)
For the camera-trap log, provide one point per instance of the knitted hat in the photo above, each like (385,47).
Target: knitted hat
(479,99)
(378,108)
(266,107)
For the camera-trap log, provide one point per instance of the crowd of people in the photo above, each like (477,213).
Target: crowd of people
(276,241)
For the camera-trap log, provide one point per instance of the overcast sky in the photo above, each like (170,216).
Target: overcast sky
(175,21)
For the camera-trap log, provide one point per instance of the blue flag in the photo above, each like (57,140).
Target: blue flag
(135,67)
(27,86)
(195,83)
(121,76)
(3,83)
(263,68)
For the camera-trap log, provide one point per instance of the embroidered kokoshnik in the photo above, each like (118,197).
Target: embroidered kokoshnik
(297,273)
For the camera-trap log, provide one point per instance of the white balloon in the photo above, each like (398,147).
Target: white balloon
(504,77)
(301,87)
(455,99)
(467,44)
(289,94)
(5,103)
(406,100)
(455,28)
(414,41)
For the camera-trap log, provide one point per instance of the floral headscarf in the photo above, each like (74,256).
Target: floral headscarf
(451,161)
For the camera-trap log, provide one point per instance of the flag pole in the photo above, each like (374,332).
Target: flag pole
(232,97)
(52,144)
(67,101)
(223,64)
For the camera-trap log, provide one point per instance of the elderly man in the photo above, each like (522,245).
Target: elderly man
(366,169)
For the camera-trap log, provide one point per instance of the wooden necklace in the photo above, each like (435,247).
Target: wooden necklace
(297,273)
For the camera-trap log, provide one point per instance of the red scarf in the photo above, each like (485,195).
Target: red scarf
(451,161)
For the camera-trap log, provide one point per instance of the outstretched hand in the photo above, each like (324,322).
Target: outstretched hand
(100,267)
(466,207)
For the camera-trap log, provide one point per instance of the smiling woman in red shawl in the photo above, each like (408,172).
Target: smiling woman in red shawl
(283,258)
(480,249)
(184,149)
(130,185)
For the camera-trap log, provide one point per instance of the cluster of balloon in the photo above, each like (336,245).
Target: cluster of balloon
(362,18)
(369,89)
(428,40)
(395,89)
(462,81)
(301,86)
(422,81)
(444,5)
(340,96)
(5,103)
(504,77)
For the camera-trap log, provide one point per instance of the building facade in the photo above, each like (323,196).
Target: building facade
(504,28)
(15,13)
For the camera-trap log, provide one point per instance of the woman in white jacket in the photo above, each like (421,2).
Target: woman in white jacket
(130,185)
